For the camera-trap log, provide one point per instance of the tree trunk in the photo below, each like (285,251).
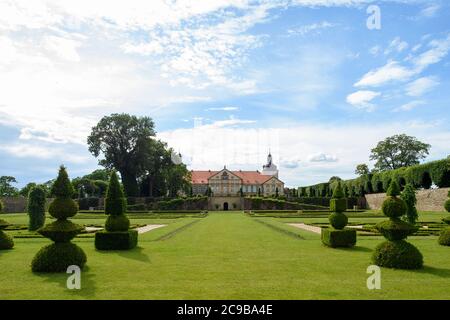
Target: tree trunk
(129,184)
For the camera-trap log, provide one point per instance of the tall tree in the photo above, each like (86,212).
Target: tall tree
(362,169)
(398,151)
(125,142)
(6,187)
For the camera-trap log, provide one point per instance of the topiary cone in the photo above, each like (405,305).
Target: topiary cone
(396,252)
(57,257)
(117,235)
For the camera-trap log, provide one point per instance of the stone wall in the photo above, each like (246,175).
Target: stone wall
(427,200)
(234,203)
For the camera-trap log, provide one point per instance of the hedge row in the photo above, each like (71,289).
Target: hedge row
(260,203)
(420,176)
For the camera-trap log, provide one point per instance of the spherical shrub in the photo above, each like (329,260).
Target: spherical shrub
(446,220)
(57,257)
(117,223)
(393,207)
(338,220)
(398,255)
(444,238)
(396,229)
(447,205)
(61,230)
(62,208)
(6,241)
(338,205)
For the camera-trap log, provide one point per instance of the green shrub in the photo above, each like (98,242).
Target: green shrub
(1,206)
(447,205)
(393,207)
(338,220)
(338,238)
(409,196)
(116,240)
(87,203)
(6,241)
(61,230)
(36,208)
(117,223)
(57,257)
(446,220)
(61,254)
(396,229)
(397,254)
(444,237)
(115,201)
(137,207)
(338,205)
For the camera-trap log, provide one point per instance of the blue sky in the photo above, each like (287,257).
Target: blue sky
(225,81)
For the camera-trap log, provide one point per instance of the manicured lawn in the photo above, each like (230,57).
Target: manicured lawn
(226,256)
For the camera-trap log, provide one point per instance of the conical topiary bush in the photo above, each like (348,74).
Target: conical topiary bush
(116,235)
(337,235)
(396,252)
(6,241)
(57,257)
(444,238)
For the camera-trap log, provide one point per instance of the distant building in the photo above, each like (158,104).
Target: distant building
(227,183)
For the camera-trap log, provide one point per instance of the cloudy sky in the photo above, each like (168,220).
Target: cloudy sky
(225,81)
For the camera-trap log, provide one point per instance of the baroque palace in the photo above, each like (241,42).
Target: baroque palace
(227,186)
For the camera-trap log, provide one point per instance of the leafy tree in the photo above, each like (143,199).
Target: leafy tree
(362,169)
(26,190)
(334,179)
(6,188)
(398,151)
(409,196)
(125,142)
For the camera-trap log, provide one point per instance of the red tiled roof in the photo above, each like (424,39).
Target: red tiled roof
(248,177)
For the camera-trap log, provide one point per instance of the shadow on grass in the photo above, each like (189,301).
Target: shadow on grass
(88,286)
(355,248)
(440,272)
(134,254)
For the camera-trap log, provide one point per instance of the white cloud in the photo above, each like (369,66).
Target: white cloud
(390,72)
(322,157)
(396,45)
(421,86)
(439,49)
(375,50)
(361,99)
(222,109)
(410,105)
(311,28)
(430,11)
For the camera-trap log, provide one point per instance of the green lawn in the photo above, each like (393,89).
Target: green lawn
(226,256)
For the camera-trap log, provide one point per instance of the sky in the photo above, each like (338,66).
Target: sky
(318,83)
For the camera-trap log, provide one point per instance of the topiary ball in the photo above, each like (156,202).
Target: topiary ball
(338,205)
(6,241)
(61,230)
(447,205)
(62,208)
(444,237)
(396,229)
(338,220)
(57,257)
(394,207)
(397,255)
(117,223)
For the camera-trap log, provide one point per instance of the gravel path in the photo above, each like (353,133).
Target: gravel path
(149,227)
(306,227)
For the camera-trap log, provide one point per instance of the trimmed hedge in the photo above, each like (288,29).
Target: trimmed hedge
(56,257)
(338,238)
(420,176)
(86,203)
(118,240)
(36,208)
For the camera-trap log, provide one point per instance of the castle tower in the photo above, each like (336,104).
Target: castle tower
(270,169)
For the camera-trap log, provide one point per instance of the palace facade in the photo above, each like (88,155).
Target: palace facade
(227,183)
